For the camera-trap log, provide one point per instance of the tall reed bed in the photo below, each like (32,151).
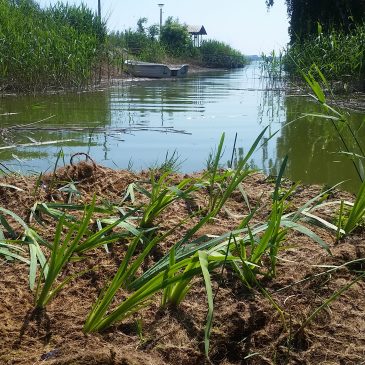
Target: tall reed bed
(140,44)
(339,55)
(54,47)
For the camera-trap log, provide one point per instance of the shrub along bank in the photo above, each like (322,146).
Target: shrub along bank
(174,43)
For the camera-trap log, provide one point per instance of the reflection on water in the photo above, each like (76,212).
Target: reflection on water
(137,122)
(315,148)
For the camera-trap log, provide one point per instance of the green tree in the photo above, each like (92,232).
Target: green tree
(153,31)
(305,15)
(140,25)
(175,37)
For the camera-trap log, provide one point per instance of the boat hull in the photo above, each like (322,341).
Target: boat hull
(155,70)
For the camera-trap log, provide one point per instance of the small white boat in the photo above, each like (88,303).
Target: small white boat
(155,70)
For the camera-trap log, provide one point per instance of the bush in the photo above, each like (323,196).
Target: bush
(140,43)
(176,38)
(219,54)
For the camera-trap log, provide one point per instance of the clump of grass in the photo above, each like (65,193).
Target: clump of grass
(11,242)
(355,216)
(221,183)
(161,195)
(243,249)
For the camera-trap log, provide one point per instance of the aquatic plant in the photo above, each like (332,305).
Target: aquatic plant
(221,183)
(79,239)
(161,195)
(272,65)
(243,249)
(355,216)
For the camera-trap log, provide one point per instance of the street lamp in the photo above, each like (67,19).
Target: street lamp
(160,6)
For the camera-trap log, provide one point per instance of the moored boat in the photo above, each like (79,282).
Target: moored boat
(155,70)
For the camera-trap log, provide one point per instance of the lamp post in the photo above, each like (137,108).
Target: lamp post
(160,6)
(99,10)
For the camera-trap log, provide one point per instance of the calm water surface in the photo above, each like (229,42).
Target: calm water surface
(137,123)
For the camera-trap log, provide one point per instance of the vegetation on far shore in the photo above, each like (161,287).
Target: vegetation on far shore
(68,46)
(338,55)
(174,44)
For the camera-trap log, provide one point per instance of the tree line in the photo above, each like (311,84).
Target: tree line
(306,15)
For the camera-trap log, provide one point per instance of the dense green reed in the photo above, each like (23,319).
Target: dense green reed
(67,46)
(339,55)
(59,46)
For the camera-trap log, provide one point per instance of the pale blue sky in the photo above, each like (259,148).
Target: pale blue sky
(244,24)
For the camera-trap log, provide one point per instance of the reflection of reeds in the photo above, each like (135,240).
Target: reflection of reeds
(98,129)
(351,144)
(110,131)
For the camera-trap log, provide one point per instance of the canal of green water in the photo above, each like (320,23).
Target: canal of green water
(136,123)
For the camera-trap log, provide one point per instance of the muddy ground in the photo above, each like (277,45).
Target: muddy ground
(247,329)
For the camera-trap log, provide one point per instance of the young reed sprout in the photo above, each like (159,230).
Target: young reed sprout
(61,253)
(357,211)
(29,237)
(220,184)
(162,195)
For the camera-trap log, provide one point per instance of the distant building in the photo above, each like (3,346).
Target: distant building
(196,32)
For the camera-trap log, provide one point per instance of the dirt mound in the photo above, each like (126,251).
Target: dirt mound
(248,327)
